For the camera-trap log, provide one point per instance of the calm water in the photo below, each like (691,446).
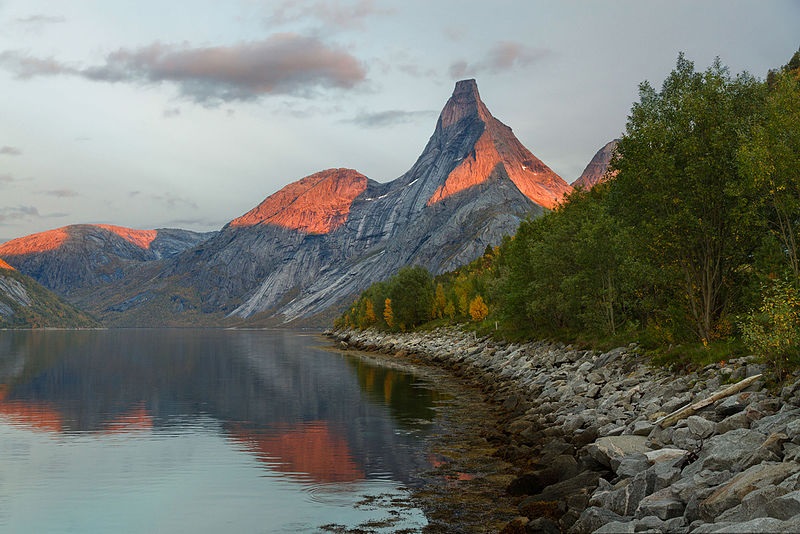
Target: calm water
(202,431)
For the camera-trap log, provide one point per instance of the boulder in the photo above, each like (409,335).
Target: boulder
(662,504)
(732,492)
(700,427)
(604,449)
(592,519)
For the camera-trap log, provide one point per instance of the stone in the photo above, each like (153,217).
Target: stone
(722,451)
(617,527)
(592,519)
(666,455)
(763,524)
(754,505)
(700,427)
(642,428)
(631,465)
(732,492)
(606,448)
(661,504)
(733,422)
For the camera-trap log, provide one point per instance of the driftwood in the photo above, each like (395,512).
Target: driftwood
(691,409)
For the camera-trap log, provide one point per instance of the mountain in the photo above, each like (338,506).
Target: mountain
(71,258)
(595,171)
(310,248)
(26,304)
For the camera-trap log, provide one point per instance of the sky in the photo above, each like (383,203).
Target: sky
(188,113)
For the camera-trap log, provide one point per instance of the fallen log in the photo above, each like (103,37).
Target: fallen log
(691,409)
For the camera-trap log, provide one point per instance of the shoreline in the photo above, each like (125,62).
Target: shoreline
(579,431)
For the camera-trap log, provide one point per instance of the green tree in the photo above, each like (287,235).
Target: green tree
(770,158)
(411,292)
(679,188)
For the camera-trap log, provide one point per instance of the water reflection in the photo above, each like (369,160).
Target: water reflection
(306,415)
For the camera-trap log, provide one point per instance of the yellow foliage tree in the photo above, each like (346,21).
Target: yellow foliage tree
(369,313)
(439,302)
(478,309)
(388,316)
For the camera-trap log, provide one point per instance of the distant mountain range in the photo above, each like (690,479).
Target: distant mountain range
(310,248)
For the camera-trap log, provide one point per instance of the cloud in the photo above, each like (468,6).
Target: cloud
(6,178)
(171,112)
(331,13)
(61,193)
(502,56)
(18,213)
(284,63)
(383,119)
(10,151)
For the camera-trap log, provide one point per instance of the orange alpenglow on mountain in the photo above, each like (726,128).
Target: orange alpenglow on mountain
(4,265)
(317,204)
(496,147)
(53,239)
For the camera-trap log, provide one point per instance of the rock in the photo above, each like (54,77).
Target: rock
(516,526)
(700,427)
(754,505)
(592,519)
(764,524)
(731,493)
(733,422)
(606,448)
(666,455)
(642,428)
(725,450)
(617,527)
(661,504)
(731,405)
(631,465)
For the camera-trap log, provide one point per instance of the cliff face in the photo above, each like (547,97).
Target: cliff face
(595,171)
(315,244)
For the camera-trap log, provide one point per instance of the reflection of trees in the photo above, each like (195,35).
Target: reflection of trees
(272,391)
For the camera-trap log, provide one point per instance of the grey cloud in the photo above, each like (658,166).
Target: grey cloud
(6,178)
(61,193)
(171,200)
(502,56)
(10,151)
(18,213)
(171,112)
(330,12)
(383,119)
(281,64)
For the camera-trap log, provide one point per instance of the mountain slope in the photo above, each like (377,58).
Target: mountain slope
(595,171)
(71,258)
(26,304)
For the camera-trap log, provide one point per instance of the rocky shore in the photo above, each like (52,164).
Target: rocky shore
(598,455)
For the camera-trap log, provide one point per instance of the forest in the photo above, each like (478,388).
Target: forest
(688,248)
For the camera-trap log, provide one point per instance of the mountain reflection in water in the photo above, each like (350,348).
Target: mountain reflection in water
(307,415)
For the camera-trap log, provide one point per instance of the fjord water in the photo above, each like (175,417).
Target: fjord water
(181,430)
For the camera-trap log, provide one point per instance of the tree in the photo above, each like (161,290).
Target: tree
(388,315)
(411,291)
(679,189)
(439,302)
(369,313)
(770,158)
(478,309)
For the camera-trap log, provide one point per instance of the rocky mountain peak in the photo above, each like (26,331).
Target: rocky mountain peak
(465,102)
(493,150)
(316,204)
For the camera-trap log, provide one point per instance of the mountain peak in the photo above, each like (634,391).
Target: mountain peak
(596,171)
(316,204)
(465,102)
